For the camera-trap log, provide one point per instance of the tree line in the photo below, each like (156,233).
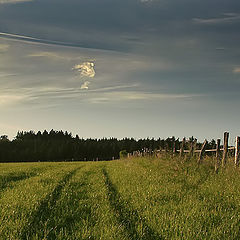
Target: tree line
(54,145)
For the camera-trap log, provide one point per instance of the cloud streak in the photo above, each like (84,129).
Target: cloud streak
(8,99)
(102,95)
(28,39)
(4,47)
(227,18)
(145,1)
(50,55)
(4,75)
(13,1)
(236,70)
(37,40)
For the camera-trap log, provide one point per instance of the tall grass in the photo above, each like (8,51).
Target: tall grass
(181,200)
(136,198)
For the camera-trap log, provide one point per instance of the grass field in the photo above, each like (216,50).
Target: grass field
(127,199)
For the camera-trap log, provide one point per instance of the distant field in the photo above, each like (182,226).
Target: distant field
(126,199)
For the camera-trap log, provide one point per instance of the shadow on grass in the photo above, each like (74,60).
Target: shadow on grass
(6,181)
(189,185)
(42,214)
(128,217)
(81,210)
(47,221)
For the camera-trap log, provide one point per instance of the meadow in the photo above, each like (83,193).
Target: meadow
(135,198)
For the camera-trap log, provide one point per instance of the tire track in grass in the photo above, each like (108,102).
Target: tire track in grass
(6,181)
(79,214)
(127,216)
(41,216)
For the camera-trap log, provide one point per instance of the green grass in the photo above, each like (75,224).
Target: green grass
(139,198)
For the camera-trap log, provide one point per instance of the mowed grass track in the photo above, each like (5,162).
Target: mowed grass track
(126,199)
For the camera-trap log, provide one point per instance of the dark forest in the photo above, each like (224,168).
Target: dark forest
(62,146)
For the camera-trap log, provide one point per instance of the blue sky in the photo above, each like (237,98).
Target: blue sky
(135,68)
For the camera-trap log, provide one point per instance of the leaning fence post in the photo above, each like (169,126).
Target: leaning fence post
(202,151)
(182,147)
(225,148)
(217,164)
(237,148)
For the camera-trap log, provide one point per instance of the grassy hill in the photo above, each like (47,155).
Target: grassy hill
(138,198)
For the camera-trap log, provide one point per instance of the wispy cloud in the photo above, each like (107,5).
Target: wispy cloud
(86,69)
(113,88)
(3,75)
(226,18)
(42,41)
(137,96)
(236,70)
(146,1)
(45,97)
(8,99)
(51,55)
(4,47)
(28,39)
(13,1)
(220,48)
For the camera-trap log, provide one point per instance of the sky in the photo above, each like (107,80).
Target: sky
(129,68)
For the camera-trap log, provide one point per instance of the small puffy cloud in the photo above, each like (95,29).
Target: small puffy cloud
(4,47)
(236,70)
(85,85)
(86,69)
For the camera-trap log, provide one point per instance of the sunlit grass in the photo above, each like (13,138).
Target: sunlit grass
(136,198)
(181,200)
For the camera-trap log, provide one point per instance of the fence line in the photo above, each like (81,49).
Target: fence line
(207,150)
(225,149)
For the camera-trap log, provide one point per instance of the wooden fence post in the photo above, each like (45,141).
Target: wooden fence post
(174,148)
(217,164)
(202,151)
(194,145)
(191,149)
(237,148)
(225,148)
(182,147)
